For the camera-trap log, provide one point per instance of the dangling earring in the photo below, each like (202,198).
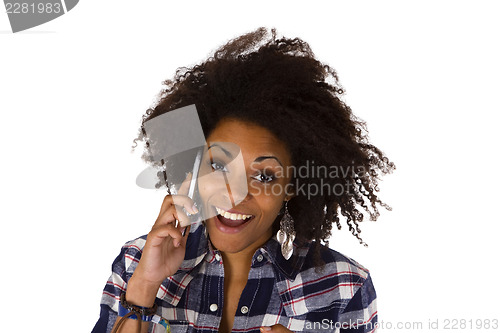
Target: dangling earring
(286,234)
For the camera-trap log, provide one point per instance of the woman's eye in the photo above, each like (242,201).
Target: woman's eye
(263,178)
(218,167)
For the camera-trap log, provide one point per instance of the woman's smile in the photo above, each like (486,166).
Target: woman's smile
(232,215)
(230,221)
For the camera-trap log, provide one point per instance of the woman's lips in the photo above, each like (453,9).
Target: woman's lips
(230,226)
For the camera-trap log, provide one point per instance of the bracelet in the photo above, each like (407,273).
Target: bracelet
(146,314)
(163,322)
(125,307)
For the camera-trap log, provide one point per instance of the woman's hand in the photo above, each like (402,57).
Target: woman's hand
(275,329)
(165,247)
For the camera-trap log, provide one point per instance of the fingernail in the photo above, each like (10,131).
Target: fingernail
(183,231)
(177,243)
(195,210)
(265,329)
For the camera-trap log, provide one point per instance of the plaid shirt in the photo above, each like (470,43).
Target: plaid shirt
(341,298)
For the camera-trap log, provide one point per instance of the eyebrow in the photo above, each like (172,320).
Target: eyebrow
(261,158)
(258,159)
(227,152)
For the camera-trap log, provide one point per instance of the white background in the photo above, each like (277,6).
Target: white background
(424,75)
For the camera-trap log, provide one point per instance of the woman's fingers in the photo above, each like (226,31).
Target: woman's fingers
(183,190)
(172,214)
(185,233)
(174,208)
(160,232)
(165,225)
(275,329)
(179,200)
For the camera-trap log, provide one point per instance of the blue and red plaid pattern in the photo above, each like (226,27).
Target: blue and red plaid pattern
(341,298)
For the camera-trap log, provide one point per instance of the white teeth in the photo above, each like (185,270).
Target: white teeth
(231,216)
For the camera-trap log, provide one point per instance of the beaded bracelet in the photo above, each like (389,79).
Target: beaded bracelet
(125,307)
(131,311)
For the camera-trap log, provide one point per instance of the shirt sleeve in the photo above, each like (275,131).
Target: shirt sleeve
(122,269)
(360,314)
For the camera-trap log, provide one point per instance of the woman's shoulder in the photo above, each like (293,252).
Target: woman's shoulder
(335,263)
(129,256)
(136,244)
(336,272)
(340,284)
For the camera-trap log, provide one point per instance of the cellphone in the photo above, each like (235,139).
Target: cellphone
(194,218)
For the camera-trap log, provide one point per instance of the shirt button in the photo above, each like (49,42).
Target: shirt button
(213,307)
(217,257)
(260,257)
(244,309)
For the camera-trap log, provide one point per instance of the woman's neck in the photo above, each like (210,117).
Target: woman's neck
(237,265)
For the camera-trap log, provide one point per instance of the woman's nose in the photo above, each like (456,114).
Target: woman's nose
(237,188)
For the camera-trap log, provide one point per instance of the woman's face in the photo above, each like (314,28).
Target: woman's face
(244,211)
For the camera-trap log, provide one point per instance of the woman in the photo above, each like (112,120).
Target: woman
(257,263)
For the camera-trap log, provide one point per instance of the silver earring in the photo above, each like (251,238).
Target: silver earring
(286,234)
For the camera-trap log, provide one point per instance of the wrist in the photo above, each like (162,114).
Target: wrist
(141,293)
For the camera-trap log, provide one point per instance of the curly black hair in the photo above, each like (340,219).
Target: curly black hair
(278,84)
